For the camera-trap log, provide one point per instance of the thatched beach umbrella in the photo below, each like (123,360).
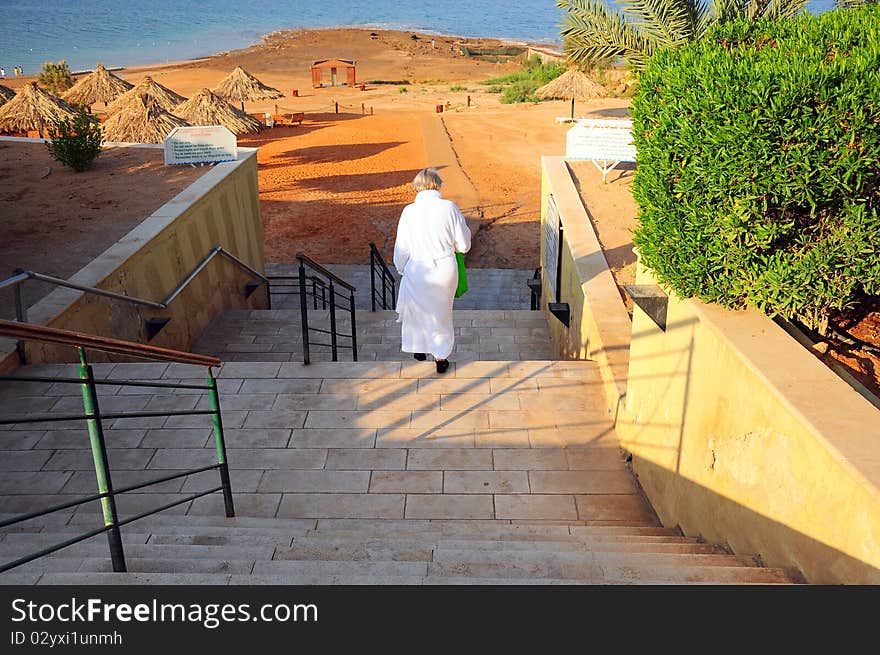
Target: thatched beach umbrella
(164,97)
(205,108)
(32,108)
(240,85)
(572,85)
(6,94)
(98,86)
(141,120)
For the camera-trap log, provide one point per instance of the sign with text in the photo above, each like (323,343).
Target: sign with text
(200,145)
(551,248)
(594,139)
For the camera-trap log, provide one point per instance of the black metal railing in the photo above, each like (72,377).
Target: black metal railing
(94,418)
(535,287)
(288,285)
(378,268)
(331,282)
(22,276)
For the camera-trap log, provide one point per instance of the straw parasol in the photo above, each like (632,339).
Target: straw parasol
(141,120)
(241,85)
(205,108)
(165,97)
(32,108)
(572,85)
(98,86)
(6,94)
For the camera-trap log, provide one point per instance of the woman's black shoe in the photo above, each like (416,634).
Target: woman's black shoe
(442,365)
(420,356)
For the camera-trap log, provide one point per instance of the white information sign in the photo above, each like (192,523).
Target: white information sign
(596,140)
(200,145)
(551,247)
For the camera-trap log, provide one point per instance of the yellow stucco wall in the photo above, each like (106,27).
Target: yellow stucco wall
(741,436)
(599,329)
(221,208)
(738,434)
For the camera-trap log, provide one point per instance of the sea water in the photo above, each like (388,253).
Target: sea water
(132,32)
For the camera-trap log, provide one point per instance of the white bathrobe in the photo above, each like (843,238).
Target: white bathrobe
(430,232)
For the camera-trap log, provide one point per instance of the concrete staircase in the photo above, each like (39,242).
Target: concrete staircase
(505,470)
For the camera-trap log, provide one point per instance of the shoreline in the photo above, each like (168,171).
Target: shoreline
(264,40)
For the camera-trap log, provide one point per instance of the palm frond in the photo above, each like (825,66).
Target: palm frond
(669,22)
(591,32)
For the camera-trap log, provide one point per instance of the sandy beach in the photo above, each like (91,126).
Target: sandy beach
(339,181)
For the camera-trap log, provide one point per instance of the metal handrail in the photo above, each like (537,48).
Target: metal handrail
(331,299)
(22,276)
(104,344)
(315,266)
(377,264)
(94,421)
(535,288)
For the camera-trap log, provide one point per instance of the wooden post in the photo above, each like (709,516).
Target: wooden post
(363,109)
(337,107)
(371,111)
(469,101)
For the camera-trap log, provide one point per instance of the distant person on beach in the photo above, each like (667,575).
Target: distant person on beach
(431,230)
(2,73)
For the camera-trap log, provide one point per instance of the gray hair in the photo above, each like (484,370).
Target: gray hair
(427,178)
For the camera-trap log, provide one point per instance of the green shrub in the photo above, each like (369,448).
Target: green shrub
(521,85)
(457,88)
(520,92)
(55,77)
(758,179)
(402,89)
(76,141)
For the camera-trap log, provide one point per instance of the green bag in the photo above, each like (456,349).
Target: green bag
(462,276)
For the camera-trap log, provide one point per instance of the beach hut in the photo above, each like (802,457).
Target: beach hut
(164,97)
(32,110)
(205,108)
(141,120)
(572,85)
(6,94)
(334,65)
(98,86)
(240,85)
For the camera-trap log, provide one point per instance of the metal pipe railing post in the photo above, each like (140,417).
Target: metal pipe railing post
(21,317)
(314,293)
(332,293)
(220,444)
(354,339)
(373,277)
(304,310)
(102,468)
(393,294)
(268,295)
(384,300)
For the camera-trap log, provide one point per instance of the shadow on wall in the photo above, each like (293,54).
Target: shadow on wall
(837,567)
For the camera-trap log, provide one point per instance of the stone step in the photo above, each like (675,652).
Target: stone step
(327,569)
(179,565)
(325,577)
(636,574)
(449,559)
(133,579)
(276,335)
(12,551)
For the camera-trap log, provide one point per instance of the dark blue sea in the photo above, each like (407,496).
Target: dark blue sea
(131,32)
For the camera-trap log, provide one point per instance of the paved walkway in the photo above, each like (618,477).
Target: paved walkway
(350,473)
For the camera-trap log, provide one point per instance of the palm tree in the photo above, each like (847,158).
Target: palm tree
(594,32)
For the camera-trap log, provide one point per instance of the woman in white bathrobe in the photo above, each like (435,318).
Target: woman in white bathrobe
(430,232)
